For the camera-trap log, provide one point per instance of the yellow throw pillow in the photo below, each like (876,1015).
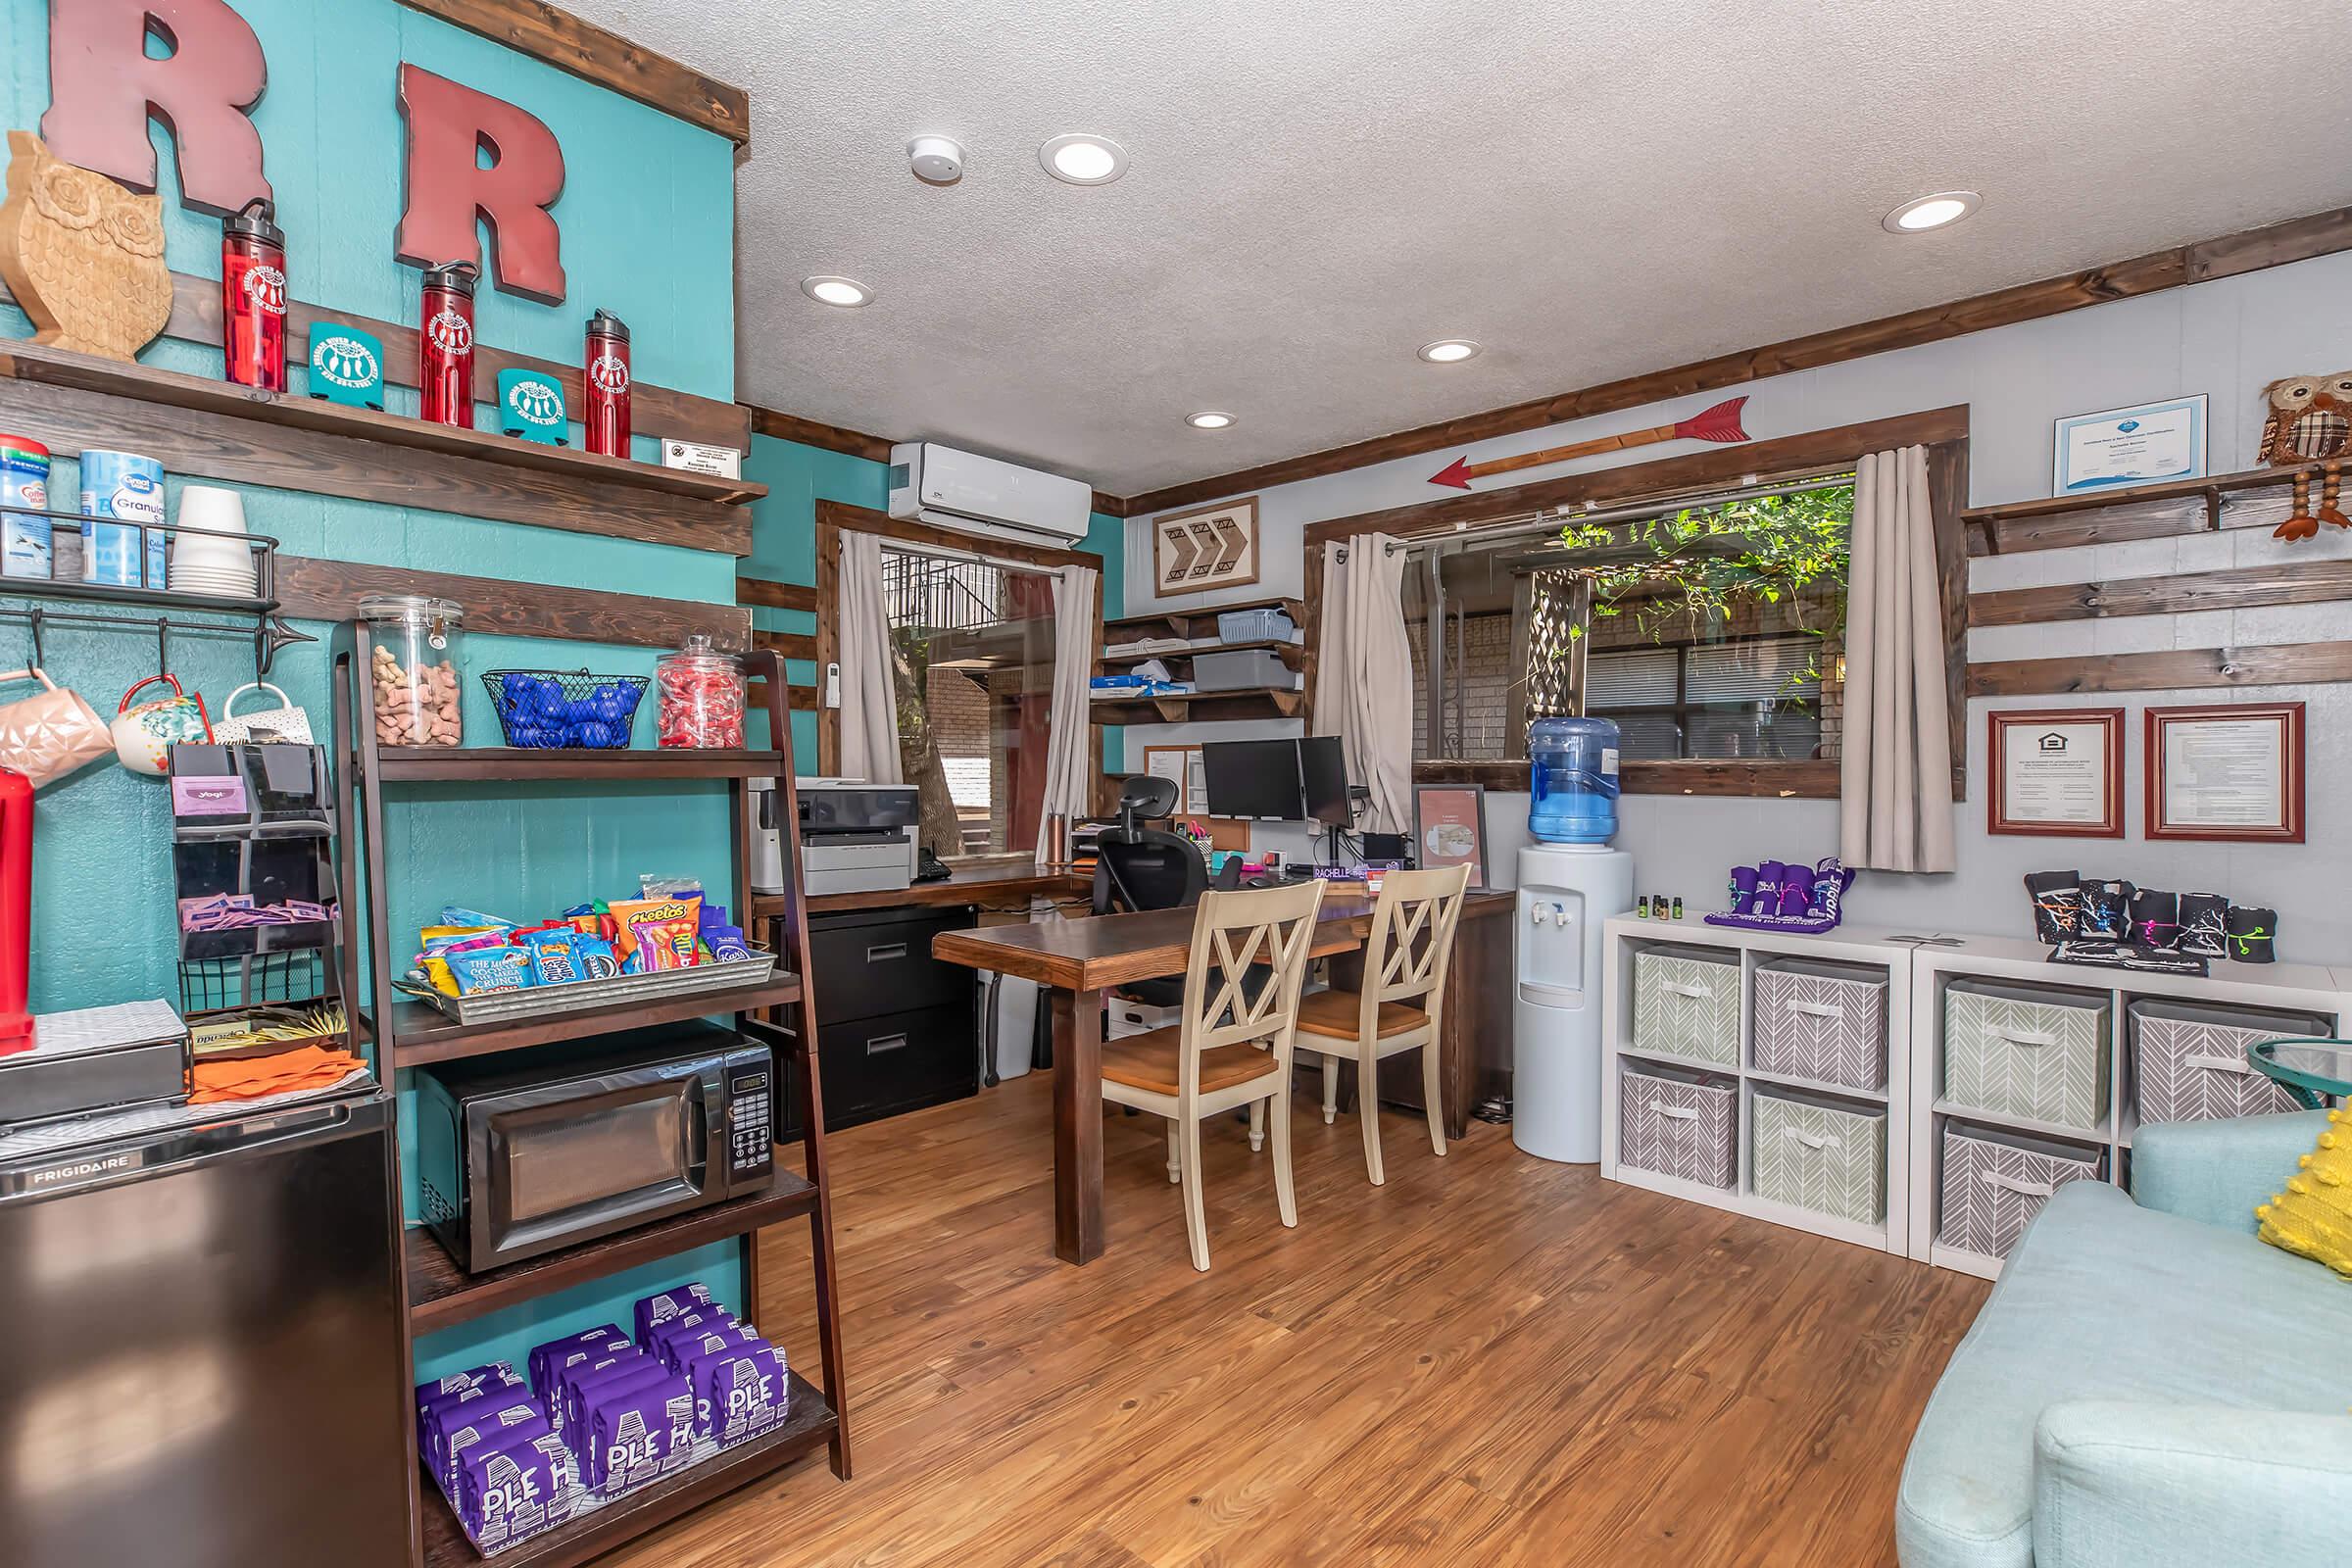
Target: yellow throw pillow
(2312,1217)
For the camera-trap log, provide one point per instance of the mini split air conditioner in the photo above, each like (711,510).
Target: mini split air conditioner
(983,496)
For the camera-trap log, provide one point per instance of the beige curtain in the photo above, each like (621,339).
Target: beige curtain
(870,705)
(1364,675)
(1068,769)
(1895,753)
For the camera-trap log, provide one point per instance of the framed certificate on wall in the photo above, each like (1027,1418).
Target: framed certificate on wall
(2232,772)
(2139,445)
(2057,771)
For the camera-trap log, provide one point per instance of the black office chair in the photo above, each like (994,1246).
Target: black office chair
(1138,867)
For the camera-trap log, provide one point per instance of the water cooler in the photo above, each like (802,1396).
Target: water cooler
(1570,881)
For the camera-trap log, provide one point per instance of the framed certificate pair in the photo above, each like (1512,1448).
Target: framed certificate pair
(2230,773)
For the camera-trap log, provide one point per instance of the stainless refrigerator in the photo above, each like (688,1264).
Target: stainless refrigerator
(202,1352)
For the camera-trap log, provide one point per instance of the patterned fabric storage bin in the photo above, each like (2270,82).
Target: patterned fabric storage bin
(1824,1021)
(2020,1049)
(2189,1058)
(1677,1124)
(1995,1182)
(1825,1157)
(1687,1004)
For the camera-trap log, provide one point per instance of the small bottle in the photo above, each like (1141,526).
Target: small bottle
(605,386)
(252,297)
(1678,908)
(445,345)
(1641,908)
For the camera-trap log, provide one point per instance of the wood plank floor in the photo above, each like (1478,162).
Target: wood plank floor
(1492,1359)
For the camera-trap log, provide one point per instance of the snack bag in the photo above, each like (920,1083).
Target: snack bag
(628,913)
(555,957)
(452,915)
(481,969)
(597,959)
(667,944)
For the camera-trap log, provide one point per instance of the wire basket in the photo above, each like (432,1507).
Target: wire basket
(548,709)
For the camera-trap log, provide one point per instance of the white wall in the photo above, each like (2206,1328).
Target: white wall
(2225,339)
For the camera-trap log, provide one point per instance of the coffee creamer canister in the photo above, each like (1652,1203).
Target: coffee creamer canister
(24,482)
(122,491)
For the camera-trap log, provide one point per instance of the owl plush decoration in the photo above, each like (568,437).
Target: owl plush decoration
(2310,420)
(83,257)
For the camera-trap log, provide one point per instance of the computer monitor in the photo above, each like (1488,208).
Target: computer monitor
(1279,781)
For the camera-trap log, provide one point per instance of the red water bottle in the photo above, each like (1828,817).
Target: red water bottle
(445,345)
(604,381)
(253,296)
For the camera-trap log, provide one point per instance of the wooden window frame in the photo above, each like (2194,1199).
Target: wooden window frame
(1943,431)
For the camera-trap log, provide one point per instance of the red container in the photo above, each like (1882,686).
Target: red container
(605,385)
(253,296)
(445,345)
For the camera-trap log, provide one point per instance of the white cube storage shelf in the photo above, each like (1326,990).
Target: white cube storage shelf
(2149,1047)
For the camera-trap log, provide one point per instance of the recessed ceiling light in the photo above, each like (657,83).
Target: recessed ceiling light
(1942,209)
(1210,420)
(1450,351)
(843,291)
(1081,159)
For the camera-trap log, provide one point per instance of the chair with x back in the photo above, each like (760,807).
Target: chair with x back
(1402,1004)
(1230,1046)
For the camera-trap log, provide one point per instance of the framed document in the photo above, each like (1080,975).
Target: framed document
(1450,828)
(2057,771)
(2142,445)
(2230,772)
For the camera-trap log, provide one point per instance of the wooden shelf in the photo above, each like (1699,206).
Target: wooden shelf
(809,1424)
(1200,707)
(2108,516)
(422,1034)
(1293,655)
(502,763)
(441,1293)
(1193,625)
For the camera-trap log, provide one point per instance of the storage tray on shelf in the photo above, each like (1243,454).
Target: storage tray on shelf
(548,1002)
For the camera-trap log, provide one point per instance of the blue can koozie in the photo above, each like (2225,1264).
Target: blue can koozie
(123,496)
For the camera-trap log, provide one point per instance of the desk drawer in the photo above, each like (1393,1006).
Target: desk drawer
(876,1067)
(871,962)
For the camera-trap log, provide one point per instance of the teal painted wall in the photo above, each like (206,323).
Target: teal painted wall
(648,223)
(784,546)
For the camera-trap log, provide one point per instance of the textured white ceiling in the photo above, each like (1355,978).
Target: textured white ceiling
(1316,187)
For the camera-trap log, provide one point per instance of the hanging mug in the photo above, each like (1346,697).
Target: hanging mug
(50,734)
(285,722)
(145,733)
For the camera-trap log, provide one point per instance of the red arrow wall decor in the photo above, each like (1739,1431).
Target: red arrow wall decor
(1719,424)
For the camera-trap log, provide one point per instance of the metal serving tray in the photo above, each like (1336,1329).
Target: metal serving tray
(549,1002)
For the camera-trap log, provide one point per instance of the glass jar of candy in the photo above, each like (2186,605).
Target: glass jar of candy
(414,669)
(701,697)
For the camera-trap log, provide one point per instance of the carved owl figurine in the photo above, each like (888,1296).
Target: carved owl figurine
(83,257)
(2310,420)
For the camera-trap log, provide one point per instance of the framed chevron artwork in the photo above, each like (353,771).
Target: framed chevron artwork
(1209,547)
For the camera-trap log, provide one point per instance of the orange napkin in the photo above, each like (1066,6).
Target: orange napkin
(305,1067)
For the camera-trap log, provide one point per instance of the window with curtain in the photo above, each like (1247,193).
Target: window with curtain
(1707,630)
(974,677)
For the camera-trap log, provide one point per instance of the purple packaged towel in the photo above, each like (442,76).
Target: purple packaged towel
(570,1382)
(441,1409)
(637,1432)
(685,1326)
(545,1358)
(511,1490)
(520,1417)
(662,1306)
(679,1350)
(739,1391)
(441,1388)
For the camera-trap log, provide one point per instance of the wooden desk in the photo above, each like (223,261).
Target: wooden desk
(991,884)
(1077,960)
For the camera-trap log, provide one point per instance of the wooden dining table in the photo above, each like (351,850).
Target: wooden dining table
(1076,960)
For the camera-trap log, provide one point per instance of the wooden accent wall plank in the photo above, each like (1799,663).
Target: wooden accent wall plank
(2169,669)
(2293,582)
(1714,469)
(604,58)
(2299,239)
(811,433)
(330,590)
(2254,499)
(789,644)
(287,445)
(798,695)
(768,593)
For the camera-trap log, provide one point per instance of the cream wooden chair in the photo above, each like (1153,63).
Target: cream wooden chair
(1226,1050)
(1401,1005)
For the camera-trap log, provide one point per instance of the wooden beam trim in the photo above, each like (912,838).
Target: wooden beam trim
(2241,588)
(656,409)
(2169,669)
(864,520)
(768,593)
(1783,456)
(330,590)
(787,644)
(1794,781)
(2298,239)
(810,433)
(595,54)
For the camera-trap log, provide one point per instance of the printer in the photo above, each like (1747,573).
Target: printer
(855,836)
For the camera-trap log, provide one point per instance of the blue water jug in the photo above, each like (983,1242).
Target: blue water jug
(1572,786)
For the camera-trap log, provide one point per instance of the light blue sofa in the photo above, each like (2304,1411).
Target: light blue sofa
(2149,1386)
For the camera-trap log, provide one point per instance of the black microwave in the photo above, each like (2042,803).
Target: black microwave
(538,1150)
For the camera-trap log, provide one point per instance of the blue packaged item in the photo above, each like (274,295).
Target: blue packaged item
(121,492)
(25,542)
(555,957)
(452,914)
(597,959)
(491,969)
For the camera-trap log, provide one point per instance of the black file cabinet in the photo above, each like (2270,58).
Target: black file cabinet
(896,1028)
